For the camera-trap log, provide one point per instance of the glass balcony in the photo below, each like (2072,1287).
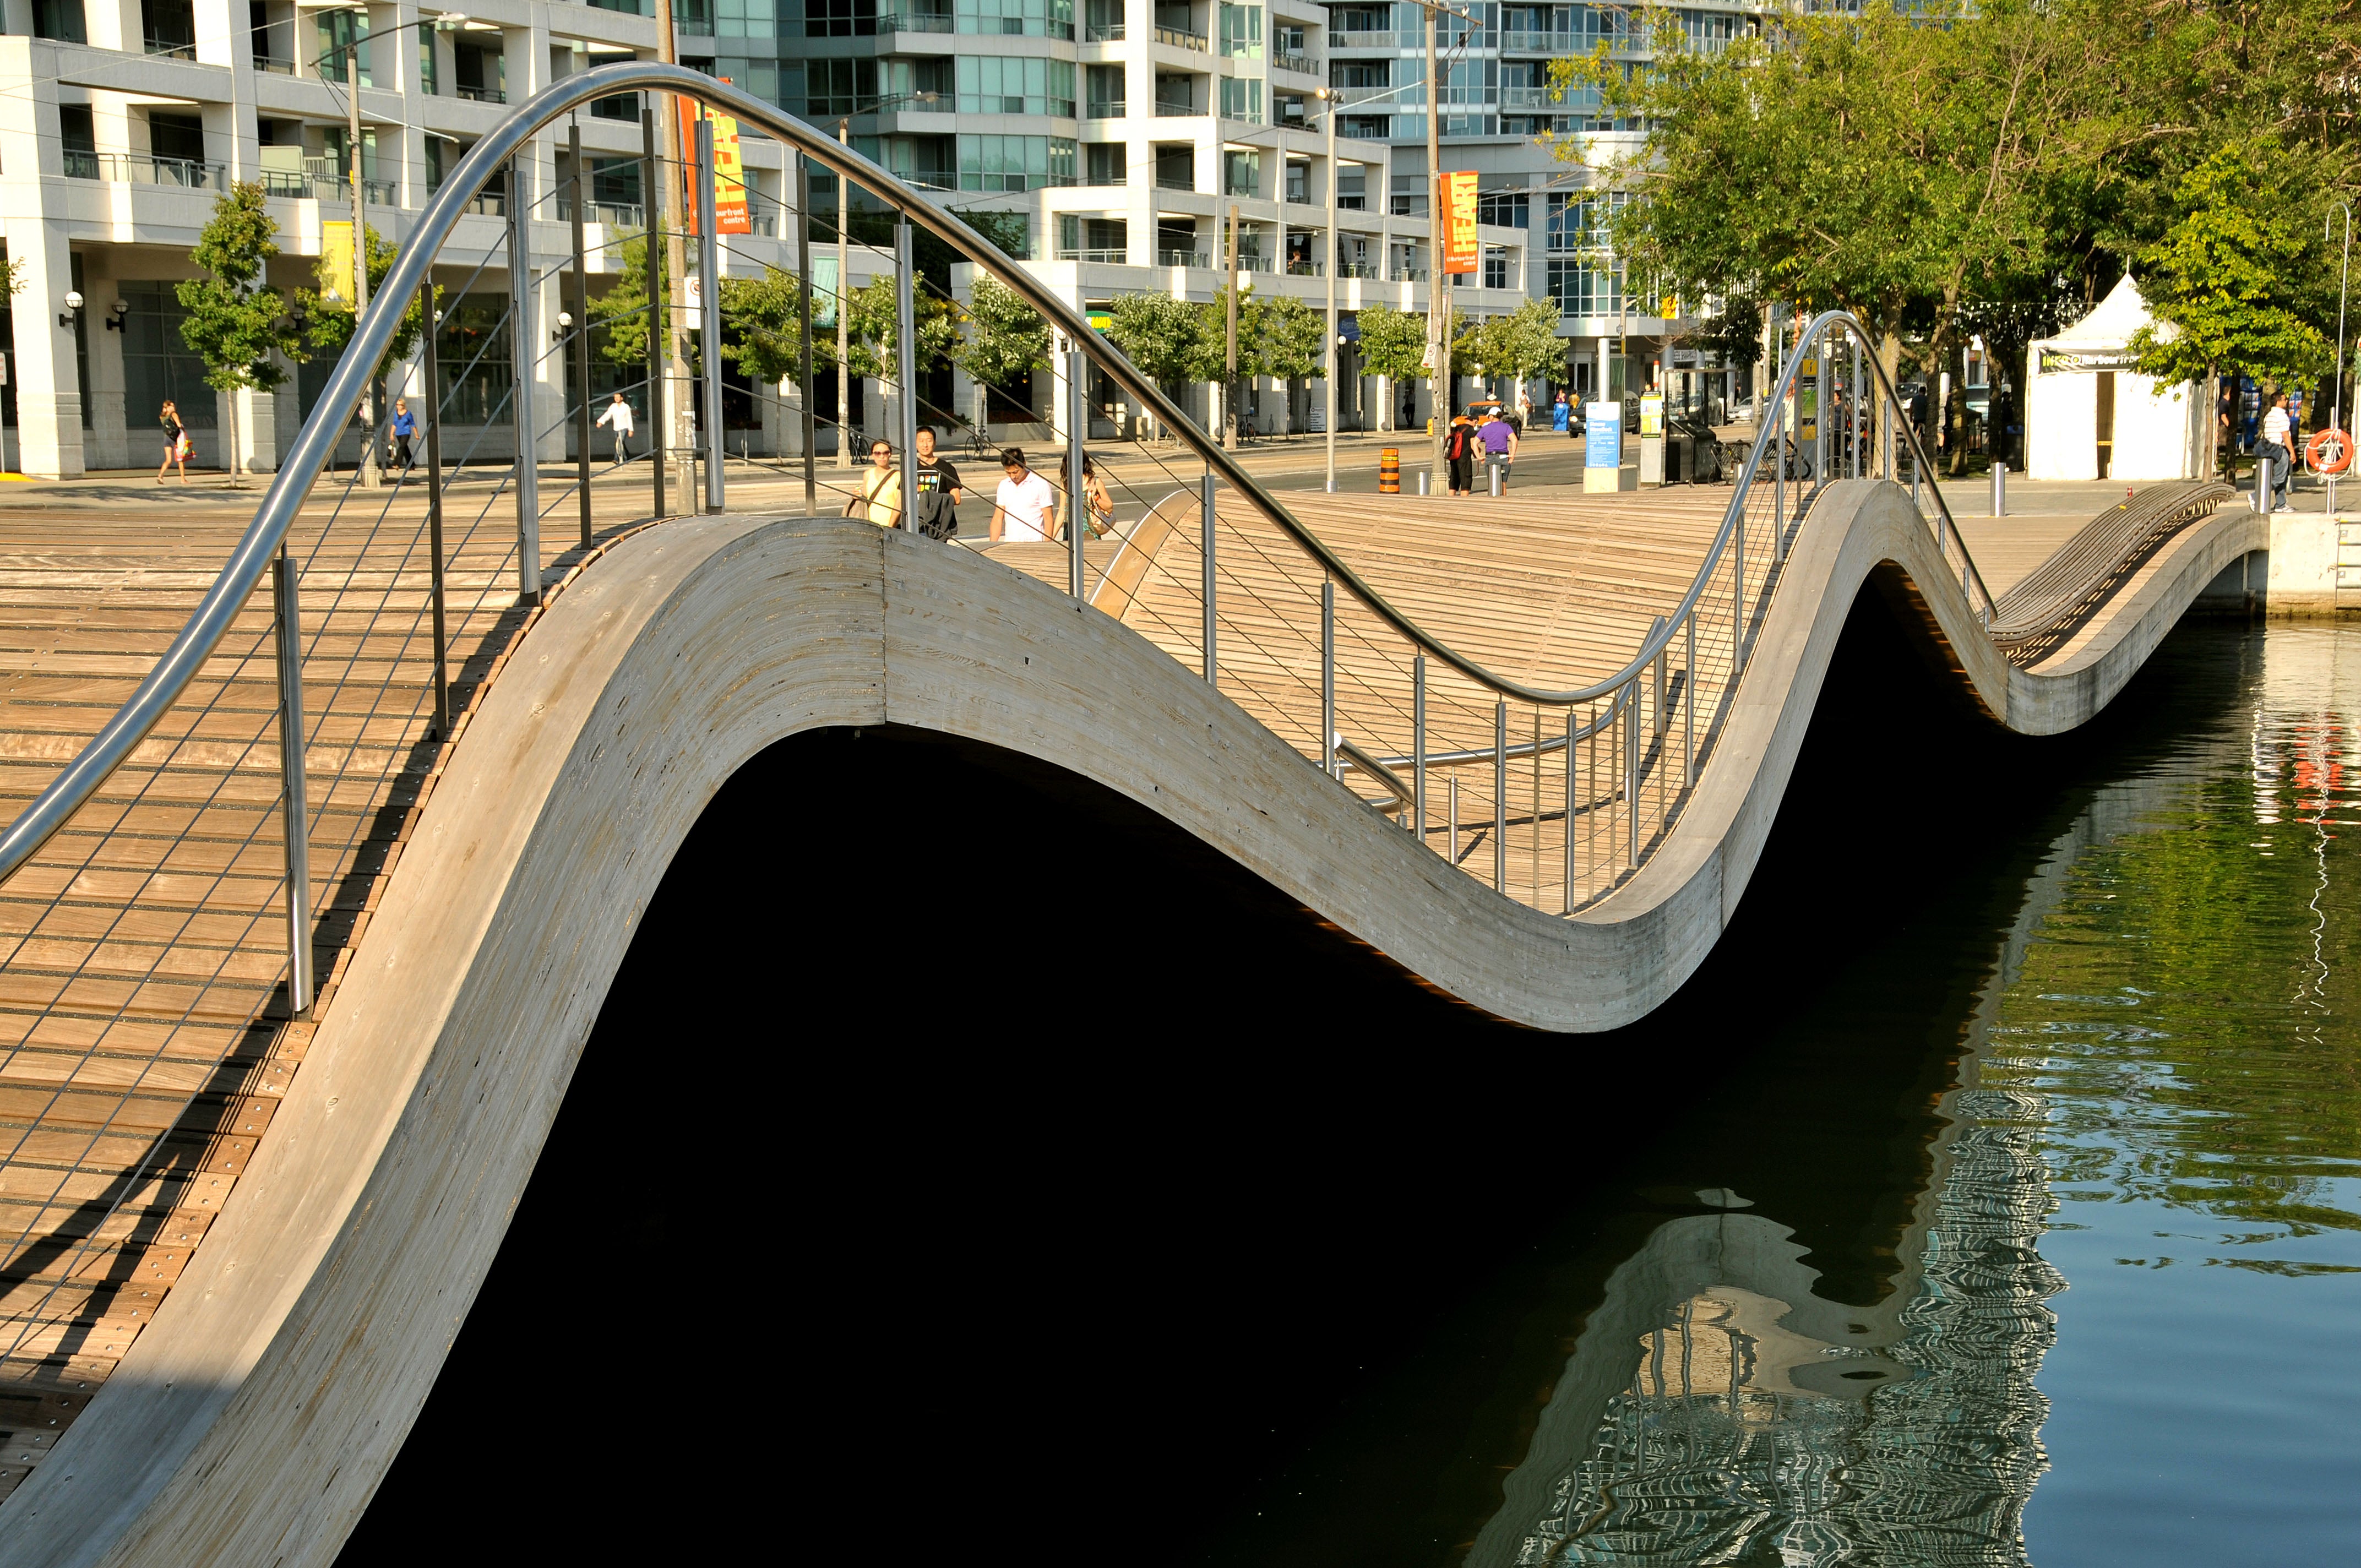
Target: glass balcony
(1108,109)
(1184,258)
(140,168)
(270,67)
(1180,38)
(481,94)
(614,214)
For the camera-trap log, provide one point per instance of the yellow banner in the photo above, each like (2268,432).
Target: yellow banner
(1460,251)
(336,262)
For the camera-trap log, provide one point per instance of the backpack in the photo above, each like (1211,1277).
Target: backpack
(1454,446)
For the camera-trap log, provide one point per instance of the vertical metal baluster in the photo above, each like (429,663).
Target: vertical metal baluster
(578,306)
(804,309)
(709,346)
(1573,726)
(1688,706)
(1328,677)
(1077,506)
(1499,796)
(651,237)
(525,339)
(905,370)
(1450,851)
(1418,741)
(1207,521)
(1823,381)
(1632,770)
(1859,390)
(295,819)
(434,516)
(1537,808)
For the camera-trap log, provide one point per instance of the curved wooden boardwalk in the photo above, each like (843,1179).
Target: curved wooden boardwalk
(129,1134)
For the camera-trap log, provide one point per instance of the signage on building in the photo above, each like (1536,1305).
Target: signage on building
(730,210)
(1457,202)
(2053,362)
(1694,359)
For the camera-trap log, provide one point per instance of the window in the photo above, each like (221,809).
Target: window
(1585,286)
(59,19)
(621,106)
(435,148)
(1022,18)
(1175,167)
(744,19)
(176,135)
(169,28)
(156,364)
(1015,163)
(628,8)
(840,18)
(1106,93)
(1241,172)
(1242,99)
(1242,31)
(1577,222)
(760,77)
(429,79)
(835,88)
(471,351)
(479,72)
(993,84)
(1360,73)
(614,182)
(1509,209)
(1353,187)
(342,35)
(1104,163)
(1083,238)
(1496,267)
(1299,182)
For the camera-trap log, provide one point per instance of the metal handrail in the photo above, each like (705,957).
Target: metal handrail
(251,558)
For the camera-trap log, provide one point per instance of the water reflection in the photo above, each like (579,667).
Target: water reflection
(2163,1036)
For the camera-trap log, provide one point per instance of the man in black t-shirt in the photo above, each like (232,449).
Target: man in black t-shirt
(938,489)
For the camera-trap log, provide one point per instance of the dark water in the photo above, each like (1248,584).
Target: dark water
(1989,1198)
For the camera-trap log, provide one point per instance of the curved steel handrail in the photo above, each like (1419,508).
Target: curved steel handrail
(251,557)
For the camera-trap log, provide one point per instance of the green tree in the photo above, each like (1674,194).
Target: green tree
(2227,277)
(762,325)
(235,321)
(622,308)
(1003,340)
(332,322)
(1523,343)
(1393,344)
(1172,342)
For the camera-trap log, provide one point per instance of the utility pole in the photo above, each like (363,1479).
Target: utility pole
(1336,260)
(1230,354)
(360,244)
(1438,293)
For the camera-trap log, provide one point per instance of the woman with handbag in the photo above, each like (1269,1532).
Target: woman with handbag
(176,442)
(880,499)
(1098,507)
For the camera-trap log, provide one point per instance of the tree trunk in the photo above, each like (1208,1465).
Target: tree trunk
(229,458)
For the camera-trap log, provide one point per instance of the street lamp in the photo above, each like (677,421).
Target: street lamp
(844,272)
(447,22)
(72,303)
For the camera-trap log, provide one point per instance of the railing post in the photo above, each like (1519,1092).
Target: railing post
(1418,741)
(1663,657)
(295,819)
(1859,390)
(1573,725)
(1077,508)
(1688,706)
(1632,770)
(1206,525)
(1328,677)
(525,339)
(1500,795)
(804,306)
(434,514)
(709,264)
(651,237)
(578,306)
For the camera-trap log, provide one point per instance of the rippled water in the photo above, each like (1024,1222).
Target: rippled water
(2059,1264)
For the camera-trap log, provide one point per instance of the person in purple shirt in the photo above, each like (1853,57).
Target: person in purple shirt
(1499,439)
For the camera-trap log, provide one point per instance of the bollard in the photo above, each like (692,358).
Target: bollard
(2263,483)
(1495,467)
(1424,474)
(2000,488)
(1390,471)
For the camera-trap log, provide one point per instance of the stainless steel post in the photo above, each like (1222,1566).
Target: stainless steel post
(525,341)
(651,189)
(1078,507)
(905,372)
(578,307)
(1688,706)
(1335,251)
(434,514)
(1418,741)
(2000,488)
(1451,843)
(1573,724)
(1632,771)
(1501,796)
(1658,673)
(295,819)
(710,345)
(1207,521)
(1859,430)
(804,291)
(1328,677)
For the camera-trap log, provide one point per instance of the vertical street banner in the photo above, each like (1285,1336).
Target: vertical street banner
(1457,202)
(731,213)
(336,261)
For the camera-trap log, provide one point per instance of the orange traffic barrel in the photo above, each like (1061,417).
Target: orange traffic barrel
(1390,471)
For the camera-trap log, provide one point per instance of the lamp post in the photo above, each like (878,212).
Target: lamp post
(1438,295)
(446,23)
(2345,267)
(1336,260)
(844,273)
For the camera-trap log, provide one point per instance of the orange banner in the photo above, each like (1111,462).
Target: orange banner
(1457,202)
(730,214)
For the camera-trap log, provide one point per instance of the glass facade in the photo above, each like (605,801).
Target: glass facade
(1022,18)
(1015,163)
(992,85)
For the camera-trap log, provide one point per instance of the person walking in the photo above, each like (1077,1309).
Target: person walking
(1025,509)
(1098,507)
(1459,452)
(176,442)
(405,431)
(618,418)
(938,489)
(880,499)
(1499,438)
(2278,448)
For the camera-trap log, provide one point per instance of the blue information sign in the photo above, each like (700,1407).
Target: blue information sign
(1603,436)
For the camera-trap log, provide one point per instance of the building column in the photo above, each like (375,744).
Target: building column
(1061,397)
(49,388)
(549,405)
(107,442)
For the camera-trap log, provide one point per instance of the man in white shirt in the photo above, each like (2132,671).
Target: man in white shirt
(2278,447)
(1026,508)
(618,418)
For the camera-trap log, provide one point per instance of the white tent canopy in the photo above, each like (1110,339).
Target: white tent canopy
(2090,415)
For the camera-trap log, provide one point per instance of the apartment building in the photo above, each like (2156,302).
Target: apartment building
(122,120)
